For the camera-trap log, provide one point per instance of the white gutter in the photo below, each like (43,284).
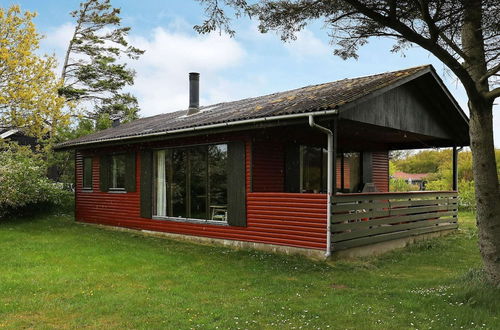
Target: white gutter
(329,178)
(205,127)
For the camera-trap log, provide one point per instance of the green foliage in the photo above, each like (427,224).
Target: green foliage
(440,178)
(392,168)
(62,163)
(23,182)
(439,185)
(401,185)
(28,85)
(427,161)
(92,73)
(467,195)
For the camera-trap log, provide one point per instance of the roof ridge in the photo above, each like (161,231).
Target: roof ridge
(311,86)
(391,72)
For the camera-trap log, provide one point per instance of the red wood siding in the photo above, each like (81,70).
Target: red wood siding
(103,207)
(268,160)
(380,163)
(293,218)
(297,220)
(347,173)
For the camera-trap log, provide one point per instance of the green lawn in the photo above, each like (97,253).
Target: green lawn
(58,274)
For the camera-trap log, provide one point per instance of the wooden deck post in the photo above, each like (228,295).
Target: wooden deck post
(335,126)
(455,168)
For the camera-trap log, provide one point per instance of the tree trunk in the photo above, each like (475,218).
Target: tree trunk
(481,139)
(486,186)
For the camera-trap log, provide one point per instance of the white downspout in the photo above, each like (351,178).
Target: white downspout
(329,178)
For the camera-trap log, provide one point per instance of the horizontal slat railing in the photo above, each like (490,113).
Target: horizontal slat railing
(362,219)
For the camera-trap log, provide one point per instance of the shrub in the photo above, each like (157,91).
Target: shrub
(438,185)
(401,185)
(466,195)
(24,185)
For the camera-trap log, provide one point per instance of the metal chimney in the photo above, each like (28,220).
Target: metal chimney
(115,122)
(194,93)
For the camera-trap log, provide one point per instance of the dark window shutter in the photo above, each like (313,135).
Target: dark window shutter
(146,184)
(87,173)
(104,167)
(130,172)
(292,168)
(236,191)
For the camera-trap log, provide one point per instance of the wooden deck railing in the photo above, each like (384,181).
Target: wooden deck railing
(362,219)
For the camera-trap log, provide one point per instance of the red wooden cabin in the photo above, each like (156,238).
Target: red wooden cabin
(260,170)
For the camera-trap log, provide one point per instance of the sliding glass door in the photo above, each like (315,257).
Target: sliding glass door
(191,182)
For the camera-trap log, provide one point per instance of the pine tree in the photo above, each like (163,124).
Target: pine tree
(92,74)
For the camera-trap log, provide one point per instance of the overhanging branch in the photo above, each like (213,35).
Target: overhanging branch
(493,94)
(412,36)
(490,73)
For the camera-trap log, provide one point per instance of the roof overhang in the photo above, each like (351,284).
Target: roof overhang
(239,125)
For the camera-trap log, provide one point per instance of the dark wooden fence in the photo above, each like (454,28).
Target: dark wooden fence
(362,219)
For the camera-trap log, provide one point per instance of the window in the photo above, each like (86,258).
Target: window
(87,173)
(191,183)
(349,172)
(311,176)
(117,172)
(312,169)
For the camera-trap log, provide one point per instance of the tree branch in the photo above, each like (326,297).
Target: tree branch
(490,73)
(433,29)
(412,36)
(493,94)
(453,46)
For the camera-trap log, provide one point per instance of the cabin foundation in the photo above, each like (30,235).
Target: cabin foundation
(372,250)
(313,254)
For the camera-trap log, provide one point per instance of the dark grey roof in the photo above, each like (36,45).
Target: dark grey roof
(302,100)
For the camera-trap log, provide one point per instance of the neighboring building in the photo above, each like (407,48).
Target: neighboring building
(256,172)
(15,134)
(418,179)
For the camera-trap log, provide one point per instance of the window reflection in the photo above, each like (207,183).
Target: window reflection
(313,170)
(191,182)
(118,171)
(87,173)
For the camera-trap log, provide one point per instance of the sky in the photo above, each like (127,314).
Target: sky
(248,65)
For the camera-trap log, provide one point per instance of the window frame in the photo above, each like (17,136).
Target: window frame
(110,176)
(341,185)
(154,187)
(84,176)
(323,170)
(304,150)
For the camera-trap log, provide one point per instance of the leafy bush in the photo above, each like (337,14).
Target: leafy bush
(24,185)
(466,195)
(401,185)
(438,185)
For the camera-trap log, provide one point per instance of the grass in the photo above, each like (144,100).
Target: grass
(58,274)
